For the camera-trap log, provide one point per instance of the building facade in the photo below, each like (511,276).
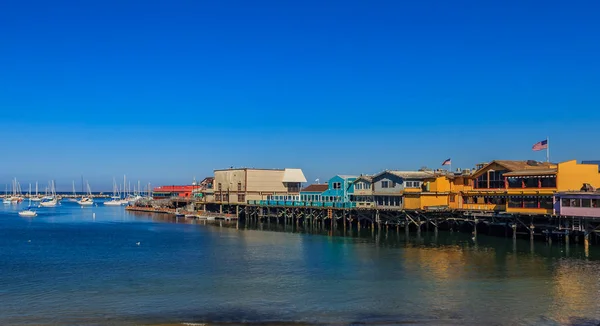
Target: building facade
(525,186)
(392,188)
(238,186)
(363,192)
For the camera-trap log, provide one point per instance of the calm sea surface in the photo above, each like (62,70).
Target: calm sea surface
(67,267)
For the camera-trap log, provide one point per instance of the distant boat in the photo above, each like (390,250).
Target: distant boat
(116,198)
(7,200)
(37,197)
(86,200)
(50,200)
(28,212)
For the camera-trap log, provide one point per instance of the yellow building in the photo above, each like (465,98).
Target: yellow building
(441,190)
(524,186)
(244,184)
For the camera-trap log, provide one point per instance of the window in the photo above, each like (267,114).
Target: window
(549,182)
(530,202)
(239,186)
(385,184)
(497,179)
(217,198)
(409,184)
(481,181)
(515,183)
(575,203)
(532,182)
(546,202)
(452,199)
(515,202)
(595,203)
(587,203)
(241,198)
(226,197)
(220,188)
(337,185)
(566,202)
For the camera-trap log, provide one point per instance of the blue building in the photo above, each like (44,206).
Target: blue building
(312,195)
(339,190)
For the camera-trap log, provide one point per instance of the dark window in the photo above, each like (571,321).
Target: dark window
(546,202)
(575,202)
(595,203)
(337,185)
(515,202)
(220,188)
(549,182)
(497,179)
(566,202)
(226,197)
(241,198)
(385,184)
(452,199)
(586,203)
(530,202)
(466,182)
(217,198)
(531,182)
(239,186)
(482,181)
(515,183)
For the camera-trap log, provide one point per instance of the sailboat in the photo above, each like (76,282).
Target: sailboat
(50,200)
(86,200)
(7,200)
(16,195)
(37,196)
(74,198)
(28,212)
(116,198)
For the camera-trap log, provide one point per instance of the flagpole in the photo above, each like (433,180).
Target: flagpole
(548,149)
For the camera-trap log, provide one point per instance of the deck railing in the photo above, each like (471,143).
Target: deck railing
(280,203)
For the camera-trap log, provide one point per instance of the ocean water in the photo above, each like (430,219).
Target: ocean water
(84,266)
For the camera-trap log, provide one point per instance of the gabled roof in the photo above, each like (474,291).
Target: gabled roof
(316,188)
(367,178)
(526,167)
(344,176)
(409,174)
(293,175)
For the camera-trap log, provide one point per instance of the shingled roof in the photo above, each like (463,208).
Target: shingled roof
(316,188)
(523,167)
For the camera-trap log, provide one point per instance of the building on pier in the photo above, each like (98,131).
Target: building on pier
(165,192)
(525,187)
(578,203)
(313,193)
(339,190)
(363,192)
(392,188)
(239,185)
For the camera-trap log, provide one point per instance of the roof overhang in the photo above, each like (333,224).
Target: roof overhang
(293,175)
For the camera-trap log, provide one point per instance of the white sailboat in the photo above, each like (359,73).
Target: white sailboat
(16,193)
(37,197)
(7,200)
(86,200)
(116,198)
(28,212)
(50,200)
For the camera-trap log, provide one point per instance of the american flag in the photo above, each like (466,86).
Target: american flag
(540,145)
(447,162)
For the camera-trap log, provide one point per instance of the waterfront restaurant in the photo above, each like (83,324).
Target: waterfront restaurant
(165,192)
(525,186)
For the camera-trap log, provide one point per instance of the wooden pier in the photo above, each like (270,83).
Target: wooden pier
(539,227)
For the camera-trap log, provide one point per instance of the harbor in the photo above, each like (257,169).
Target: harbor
(552,202)
(108,265)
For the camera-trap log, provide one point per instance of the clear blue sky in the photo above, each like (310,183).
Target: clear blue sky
(166,90)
